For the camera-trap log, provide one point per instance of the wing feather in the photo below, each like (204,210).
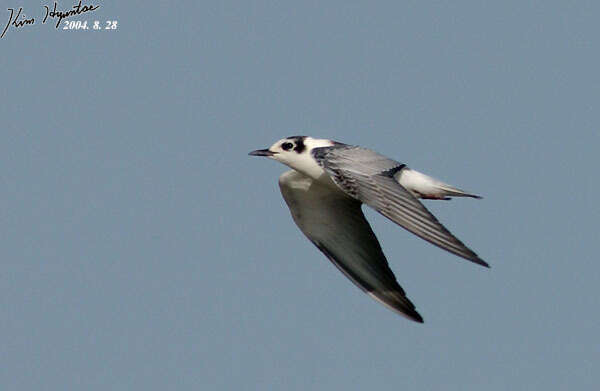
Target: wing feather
(370,178)
(334,223)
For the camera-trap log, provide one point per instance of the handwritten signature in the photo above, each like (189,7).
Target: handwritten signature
(21,20)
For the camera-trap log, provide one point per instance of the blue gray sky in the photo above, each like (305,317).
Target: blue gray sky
(144,250)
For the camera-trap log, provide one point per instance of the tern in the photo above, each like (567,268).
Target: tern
(325,190)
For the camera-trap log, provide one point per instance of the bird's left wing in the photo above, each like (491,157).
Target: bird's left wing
(371,178)
(335,223)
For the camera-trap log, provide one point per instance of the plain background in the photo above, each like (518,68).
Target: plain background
(142,249)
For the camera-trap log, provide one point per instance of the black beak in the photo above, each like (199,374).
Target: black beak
(262,152)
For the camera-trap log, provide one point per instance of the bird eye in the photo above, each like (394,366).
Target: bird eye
(287,146)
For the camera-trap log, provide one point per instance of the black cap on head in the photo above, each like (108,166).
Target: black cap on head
(299,142)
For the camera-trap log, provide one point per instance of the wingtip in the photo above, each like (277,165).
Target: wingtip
(481,262)
(412,315)
(471,195)
(417,318)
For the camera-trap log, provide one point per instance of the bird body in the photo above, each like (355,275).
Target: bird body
(324,191)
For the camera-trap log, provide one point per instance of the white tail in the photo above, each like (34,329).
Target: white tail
(423,186)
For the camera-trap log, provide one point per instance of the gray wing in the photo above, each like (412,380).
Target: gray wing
(335,224)
(371,178)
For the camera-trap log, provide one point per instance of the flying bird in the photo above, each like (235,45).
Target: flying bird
(324,191)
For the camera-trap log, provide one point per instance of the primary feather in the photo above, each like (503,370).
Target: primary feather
(336,225)
(371,178)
